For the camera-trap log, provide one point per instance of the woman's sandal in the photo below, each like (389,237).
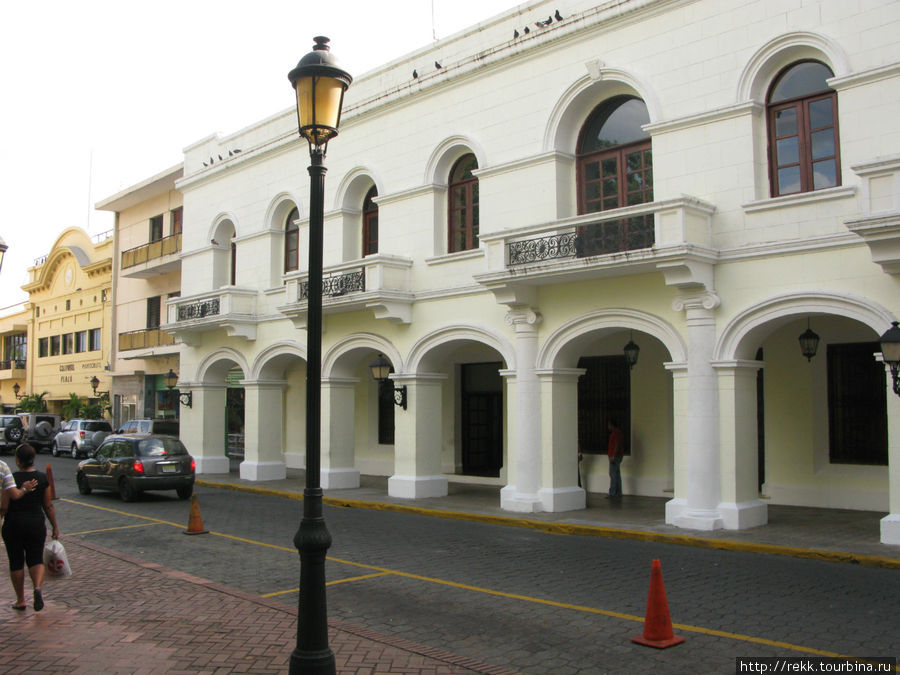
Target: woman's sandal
(38,600)
(21,608)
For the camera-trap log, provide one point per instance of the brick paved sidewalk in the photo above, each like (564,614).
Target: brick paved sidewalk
(121,615)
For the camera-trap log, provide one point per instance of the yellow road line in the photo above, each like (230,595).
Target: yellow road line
(330,583)
(383,571)
(111,529)
(122,513)
(359,578)
(594,610)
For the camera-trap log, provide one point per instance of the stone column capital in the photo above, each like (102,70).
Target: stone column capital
(523,318)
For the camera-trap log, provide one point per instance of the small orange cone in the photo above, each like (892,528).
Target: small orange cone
(657,625)
(195,522)
(52,484)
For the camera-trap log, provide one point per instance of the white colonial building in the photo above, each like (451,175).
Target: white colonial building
(704,180)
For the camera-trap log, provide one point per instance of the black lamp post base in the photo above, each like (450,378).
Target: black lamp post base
(312,663)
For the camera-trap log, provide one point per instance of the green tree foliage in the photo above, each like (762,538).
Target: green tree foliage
(97,408)
(73,407)
(34,403)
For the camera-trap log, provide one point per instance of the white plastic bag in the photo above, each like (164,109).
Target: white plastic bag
(55,559)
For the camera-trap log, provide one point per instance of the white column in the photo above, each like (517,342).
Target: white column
(890,524)
(740,505)
(263,424)
(338,433)
(676,506)
(203,430)
(703,467)
(559,426)
(524,443)
(417,439)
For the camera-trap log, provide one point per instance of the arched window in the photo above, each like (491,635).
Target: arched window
(291,241)
(462,219)
(615,169)
(370,223)
(801,114)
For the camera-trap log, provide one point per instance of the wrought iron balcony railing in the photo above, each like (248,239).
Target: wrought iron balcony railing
(198,310)
(336,285)
(155,249)
(142,339)
(627,234)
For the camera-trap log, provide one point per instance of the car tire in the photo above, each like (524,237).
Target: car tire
(13,434)
(126,490)
(55,451)
(74,451)
(83,486)
(185,491)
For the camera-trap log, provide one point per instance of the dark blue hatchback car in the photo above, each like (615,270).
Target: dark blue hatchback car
(131,464)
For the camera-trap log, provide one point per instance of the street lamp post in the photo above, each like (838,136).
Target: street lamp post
(3,249)
(320,85)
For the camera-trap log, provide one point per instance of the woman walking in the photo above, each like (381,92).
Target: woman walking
(24,530)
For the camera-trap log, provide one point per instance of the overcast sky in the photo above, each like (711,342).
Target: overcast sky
(100,95)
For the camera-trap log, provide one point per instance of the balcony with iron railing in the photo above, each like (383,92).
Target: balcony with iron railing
(146,338)
(231,309)
(379,283)
(656,236)
(148,260)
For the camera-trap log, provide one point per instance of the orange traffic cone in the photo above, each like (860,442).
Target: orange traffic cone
(195,522)
(657,625)
(52,484)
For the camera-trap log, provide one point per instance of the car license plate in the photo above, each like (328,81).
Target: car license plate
(169,468)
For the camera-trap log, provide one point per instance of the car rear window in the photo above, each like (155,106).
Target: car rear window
(44,418)
(97,426)
(158,447)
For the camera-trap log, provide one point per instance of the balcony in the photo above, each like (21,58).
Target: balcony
(379,283)
(146,342)
(879,222)
(12,369)
(230,309)
(672,237)
(157,257)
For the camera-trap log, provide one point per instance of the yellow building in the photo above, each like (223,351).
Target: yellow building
(69,293)
(14,329)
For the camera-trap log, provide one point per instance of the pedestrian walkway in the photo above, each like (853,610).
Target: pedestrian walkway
(829,534)
(122,615)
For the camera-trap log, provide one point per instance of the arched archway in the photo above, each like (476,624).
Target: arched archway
(359,434)
(588,382)
(275,412)
(807,432)
(454,423)
(205,428)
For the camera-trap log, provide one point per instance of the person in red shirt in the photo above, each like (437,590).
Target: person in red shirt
(615,450)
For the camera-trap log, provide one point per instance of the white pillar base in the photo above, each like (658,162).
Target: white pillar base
(562,499)
(744,515)
(417,487)
(679,515)
(890,529)
(512,500)
(263,470)
(219,464)
(339,479)
(295,460)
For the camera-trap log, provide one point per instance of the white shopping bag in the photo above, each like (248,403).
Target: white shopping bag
(55,559)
